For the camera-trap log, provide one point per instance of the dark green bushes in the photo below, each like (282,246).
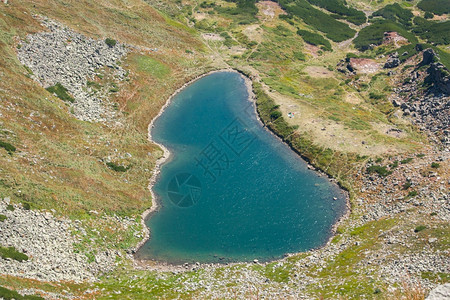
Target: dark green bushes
(438,7)
(61,92)
(12,253)
(334,30)
(394,12)
(8,147)
(380,170)
(420,228)
(428,15)
(343,12)
(9,295)
(406,160)
(412,194)
(314,39)
(110,42)
(376,96)
(275,114)
(244,13)
(435,165)
(433,32)
(3,218)
(117,168)
(373,34)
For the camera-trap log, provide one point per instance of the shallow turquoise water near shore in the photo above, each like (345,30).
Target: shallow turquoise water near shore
(232,191)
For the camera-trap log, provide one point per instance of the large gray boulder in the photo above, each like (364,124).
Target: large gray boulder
(441,292)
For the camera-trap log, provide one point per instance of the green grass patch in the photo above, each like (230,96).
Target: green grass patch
(277,273)
(11,252)
(10,207)
(61,92)
(3,218)
(436,277)
(151,66)
(8,147)
(7,294)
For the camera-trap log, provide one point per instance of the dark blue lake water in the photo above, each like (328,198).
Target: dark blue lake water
(232,191)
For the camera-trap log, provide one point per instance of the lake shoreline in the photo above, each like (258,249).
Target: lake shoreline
(150,264)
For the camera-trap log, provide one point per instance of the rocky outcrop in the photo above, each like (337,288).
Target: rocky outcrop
(428,56)
(63,56)
(392,61)
(438,77)
(392,37)
(430,108)
(345,67)
(441,292)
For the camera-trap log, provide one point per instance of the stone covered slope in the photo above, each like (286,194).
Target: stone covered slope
(49,244)
(63,56)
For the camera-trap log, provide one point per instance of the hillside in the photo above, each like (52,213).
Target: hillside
(360,89)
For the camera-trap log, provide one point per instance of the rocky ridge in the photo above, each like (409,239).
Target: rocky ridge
(429,108)
(63,56)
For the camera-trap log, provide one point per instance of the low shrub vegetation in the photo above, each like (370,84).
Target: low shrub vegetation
(435,165)
(110,42)
(380,170)
(8,147)
(12,253)
(394,12)
(438,7)
(432,31)
(420,228)
(117,168)
(314,39)
(412,194)
(374,33)
(334,30)
(61,92)
(341,10)
(406,160)
(3,218)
